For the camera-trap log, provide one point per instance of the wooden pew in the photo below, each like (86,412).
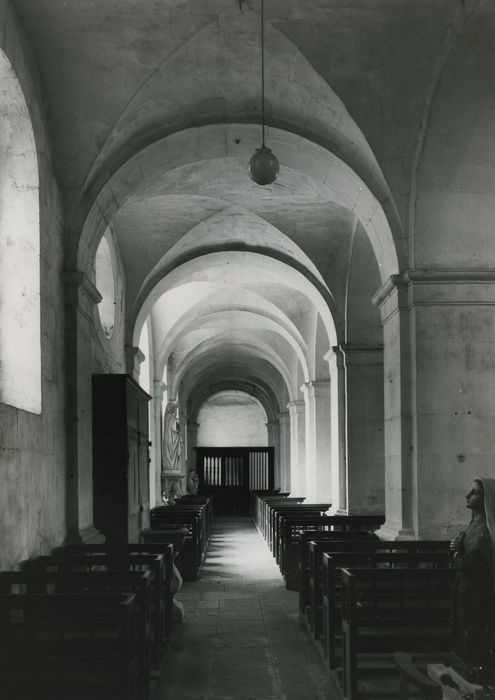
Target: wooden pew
(96,582)
(289,528)
(338,539)
(326,611)
(164,514)
(388,609)
(190,557)
(256,503)
(164,612)
(119,563)
(291,558)
(268,505)
(60,646)
(206,500)
(264,503)
(317,549)
(276,515)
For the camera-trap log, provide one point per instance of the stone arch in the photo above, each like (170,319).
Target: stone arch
(302,160)
(195,269)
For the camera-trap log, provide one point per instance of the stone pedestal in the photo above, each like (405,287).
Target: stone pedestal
(172,488)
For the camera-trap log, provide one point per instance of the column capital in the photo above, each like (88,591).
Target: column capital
(283,415)
(362,356)
(335,357)
(272,423)
(133,358)
(80,293)
(296,407)
(317,387)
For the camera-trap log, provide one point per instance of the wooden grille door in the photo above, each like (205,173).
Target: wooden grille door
(230,473)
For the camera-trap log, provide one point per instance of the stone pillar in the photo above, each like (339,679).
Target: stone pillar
(338,417)
(156,431)
(297,447)
(81,296)
(192,443)
(365,430)
(439,368)
(397,354)
(183,440)
(318,440)
(273,429)
(284,450)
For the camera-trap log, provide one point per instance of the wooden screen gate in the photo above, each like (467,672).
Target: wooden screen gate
(230,473)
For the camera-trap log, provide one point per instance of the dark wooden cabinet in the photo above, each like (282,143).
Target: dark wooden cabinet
(120,457)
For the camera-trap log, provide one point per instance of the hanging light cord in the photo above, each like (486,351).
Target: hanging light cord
(263,73)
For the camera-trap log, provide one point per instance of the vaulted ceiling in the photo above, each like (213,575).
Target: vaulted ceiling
(154,111)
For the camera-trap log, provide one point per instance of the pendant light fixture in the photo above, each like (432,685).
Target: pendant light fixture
(263,167)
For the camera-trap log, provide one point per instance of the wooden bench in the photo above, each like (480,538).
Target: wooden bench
(340,539)
(384,610)
(165,513)
(317,550)
(264,509)
(60,646)
(202,509)
(290,527)
(117,563)
(190,557)
(164,612)
(256,503)
(324,526)
(268,504)
(97,582)
(326,611)
(206,500)
(278,513)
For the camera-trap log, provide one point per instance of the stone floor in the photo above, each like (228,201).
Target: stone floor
(241,639)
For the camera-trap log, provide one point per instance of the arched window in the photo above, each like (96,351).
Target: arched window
(20,339)
(105,283)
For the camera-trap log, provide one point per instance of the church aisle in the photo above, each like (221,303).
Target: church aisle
(241,639)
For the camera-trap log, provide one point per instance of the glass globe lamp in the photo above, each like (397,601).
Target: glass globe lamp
(263,167)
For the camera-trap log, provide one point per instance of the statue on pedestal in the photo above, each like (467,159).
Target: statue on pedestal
(171,478)
(473,610)
(171,439)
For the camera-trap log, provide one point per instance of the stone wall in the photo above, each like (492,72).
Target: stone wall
(32,447)
(231,425)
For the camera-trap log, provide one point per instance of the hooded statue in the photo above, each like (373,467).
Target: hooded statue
(473,610)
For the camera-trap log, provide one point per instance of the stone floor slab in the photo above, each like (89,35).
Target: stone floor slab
(241,638)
